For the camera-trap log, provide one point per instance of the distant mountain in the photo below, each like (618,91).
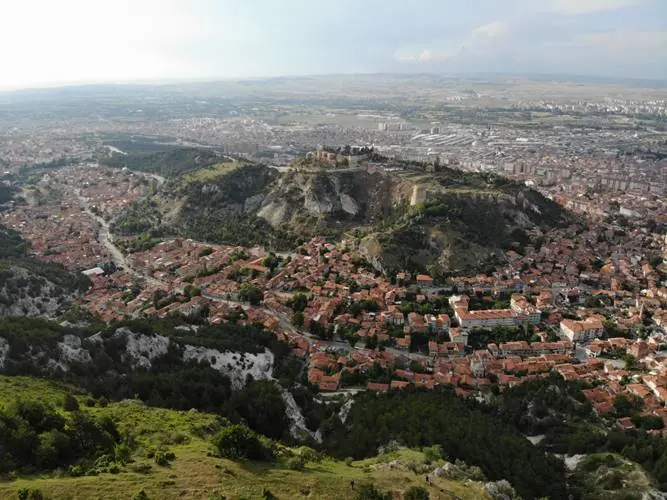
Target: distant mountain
(442,222)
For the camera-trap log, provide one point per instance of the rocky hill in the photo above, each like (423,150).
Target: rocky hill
(30,287)
(51,349)
(445,221)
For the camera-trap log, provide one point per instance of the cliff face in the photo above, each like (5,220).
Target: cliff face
(434,223)
(333,197)
(24,293)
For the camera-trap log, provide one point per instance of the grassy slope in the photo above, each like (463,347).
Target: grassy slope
(210,172)
(194,474)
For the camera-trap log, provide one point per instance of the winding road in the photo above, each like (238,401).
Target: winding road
(105,238)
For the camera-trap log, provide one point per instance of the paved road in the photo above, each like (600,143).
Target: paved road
(106,238)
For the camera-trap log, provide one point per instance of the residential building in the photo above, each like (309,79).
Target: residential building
(581,331)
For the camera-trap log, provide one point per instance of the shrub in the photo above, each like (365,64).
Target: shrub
(26,494)
(417,467)
(237,441)
(141,468)
(416,493)
(309,455)
(433,453)
(162,458)
(371,492)
(296,463)
(70,403)
(122,453)
(140,495)
(75,471)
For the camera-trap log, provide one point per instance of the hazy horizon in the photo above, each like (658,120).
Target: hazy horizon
(73,42)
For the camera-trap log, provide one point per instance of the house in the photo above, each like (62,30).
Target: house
(526,312)
(424,280)
(491,318)
(373,386)
(398,384)
(324,156)
(639,349)
(458,335)
(417,322)
(446,350)
(581,331)
(403,344)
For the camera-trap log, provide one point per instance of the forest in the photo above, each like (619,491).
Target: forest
(464,429)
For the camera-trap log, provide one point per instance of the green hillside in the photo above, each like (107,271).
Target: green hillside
(196,471)
(171,163)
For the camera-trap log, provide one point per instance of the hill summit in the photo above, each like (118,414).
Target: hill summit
(443,221)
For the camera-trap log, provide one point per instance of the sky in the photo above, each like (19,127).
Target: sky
(49,42)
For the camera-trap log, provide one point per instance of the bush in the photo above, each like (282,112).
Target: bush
(70,403)
(162,458)
(26,494)
(433,453)
(309,455)
(371,492)
(141,468)
(75,471)
(237,441)
(296,463)
(122,453)
(140,495)
(267,495)
(416,493)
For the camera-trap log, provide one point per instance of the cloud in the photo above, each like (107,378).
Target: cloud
(577,7)
(480,39)
(426,55)
(80,40)
(492,30)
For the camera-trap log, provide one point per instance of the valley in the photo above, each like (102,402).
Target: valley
(369,294)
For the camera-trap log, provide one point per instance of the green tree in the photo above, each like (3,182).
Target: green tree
(237,441)
(297,319)
(251,293)
(298,302)
(261,406)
